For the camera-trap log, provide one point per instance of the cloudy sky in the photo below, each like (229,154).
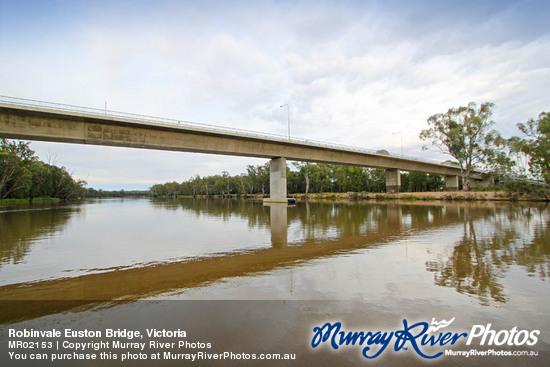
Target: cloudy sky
(361,73)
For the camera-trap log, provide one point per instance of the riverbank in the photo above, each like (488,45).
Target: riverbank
(427,196)
(27,200)
(411,196)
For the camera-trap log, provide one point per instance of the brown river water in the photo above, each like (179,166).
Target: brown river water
(248,283)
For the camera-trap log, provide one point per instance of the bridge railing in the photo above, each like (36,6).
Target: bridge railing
(183,123)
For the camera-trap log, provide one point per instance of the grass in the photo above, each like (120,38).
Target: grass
(27,200)
(407,197)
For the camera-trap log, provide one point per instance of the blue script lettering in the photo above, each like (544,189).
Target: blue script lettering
(319,337)
(377,338)
(405,335)
(413,335)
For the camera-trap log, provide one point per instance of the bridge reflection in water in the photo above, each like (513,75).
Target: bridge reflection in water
(359,227)
(278,224)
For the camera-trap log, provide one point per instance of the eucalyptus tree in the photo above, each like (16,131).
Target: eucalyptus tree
(465,133)
(308,171)
(259,178)
(15,176)
(535,145)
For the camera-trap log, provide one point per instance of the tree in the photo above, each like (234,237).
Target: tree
(195,182)
(307,170)
(243,180)
(536,145)
(171,188)
(499,158)
(23,175)
(15,177)
(226,179)
(63,185)
(157,190)
(41,180)
(259,178)
(375,180)
(464,133)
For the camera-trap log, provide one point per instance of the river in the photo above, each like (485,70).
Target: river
(244,277)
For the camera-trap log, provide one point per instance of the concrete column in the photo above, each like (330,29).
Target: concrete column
(279,224)
(451,183)
(393,180)
(277,181)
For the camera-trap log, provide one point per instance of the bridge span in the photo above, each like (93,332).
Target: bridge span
(43,121)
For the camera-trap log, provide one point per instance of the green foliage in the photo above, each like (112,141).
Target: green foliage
(258,179)
(22,175)
(498,158)
(305,178)
(528,187)
(15,158)
(535,145)
(375,180)
(420,182)
(465,134)
(93,193)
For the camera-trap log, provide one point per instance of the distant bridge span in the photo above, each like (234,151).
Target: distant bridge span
(42,121)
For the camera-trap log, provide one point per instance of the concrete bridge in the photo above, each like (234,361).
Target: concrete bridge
(43,121)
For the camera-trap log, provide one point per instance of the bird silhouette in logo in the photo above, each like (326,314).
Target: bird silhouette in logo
(439,325)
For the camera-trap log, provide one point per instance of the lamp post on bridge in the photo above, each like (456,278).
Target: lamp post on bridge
(401,135)
(288,117)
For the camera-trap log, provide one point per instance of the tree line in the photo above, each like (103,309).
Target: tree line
(23,175)
(466,134)
(302,178)
(95,193)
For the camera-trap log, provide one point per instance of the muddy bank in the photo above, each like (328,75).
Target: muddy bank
(426,196)
(446,196)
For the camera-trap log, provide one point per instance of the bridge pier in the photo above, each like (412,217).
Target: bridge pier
(277,181)
(393,180)
(451,183)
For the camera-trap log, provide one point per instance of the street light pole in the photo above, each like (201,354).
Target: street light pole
(401,135)
(288,117)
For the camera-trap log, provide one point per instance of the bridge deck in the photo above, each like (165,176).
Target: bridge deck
(28,122)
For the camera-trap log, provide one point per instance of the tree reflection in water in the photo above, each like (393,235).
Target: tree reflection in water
(489,247)
(21,225)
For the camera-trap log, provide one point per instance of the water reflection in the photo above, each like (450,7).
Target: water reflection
(490,246)
(317,219)
(278,222)
(224,209)
(494,237)
(22,225)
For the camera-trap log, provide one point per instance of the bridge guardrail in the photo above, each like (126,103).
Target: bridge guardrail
(215,128)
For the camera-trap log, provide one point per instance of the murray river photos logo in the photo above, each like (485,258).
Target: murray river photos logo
(424,339)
